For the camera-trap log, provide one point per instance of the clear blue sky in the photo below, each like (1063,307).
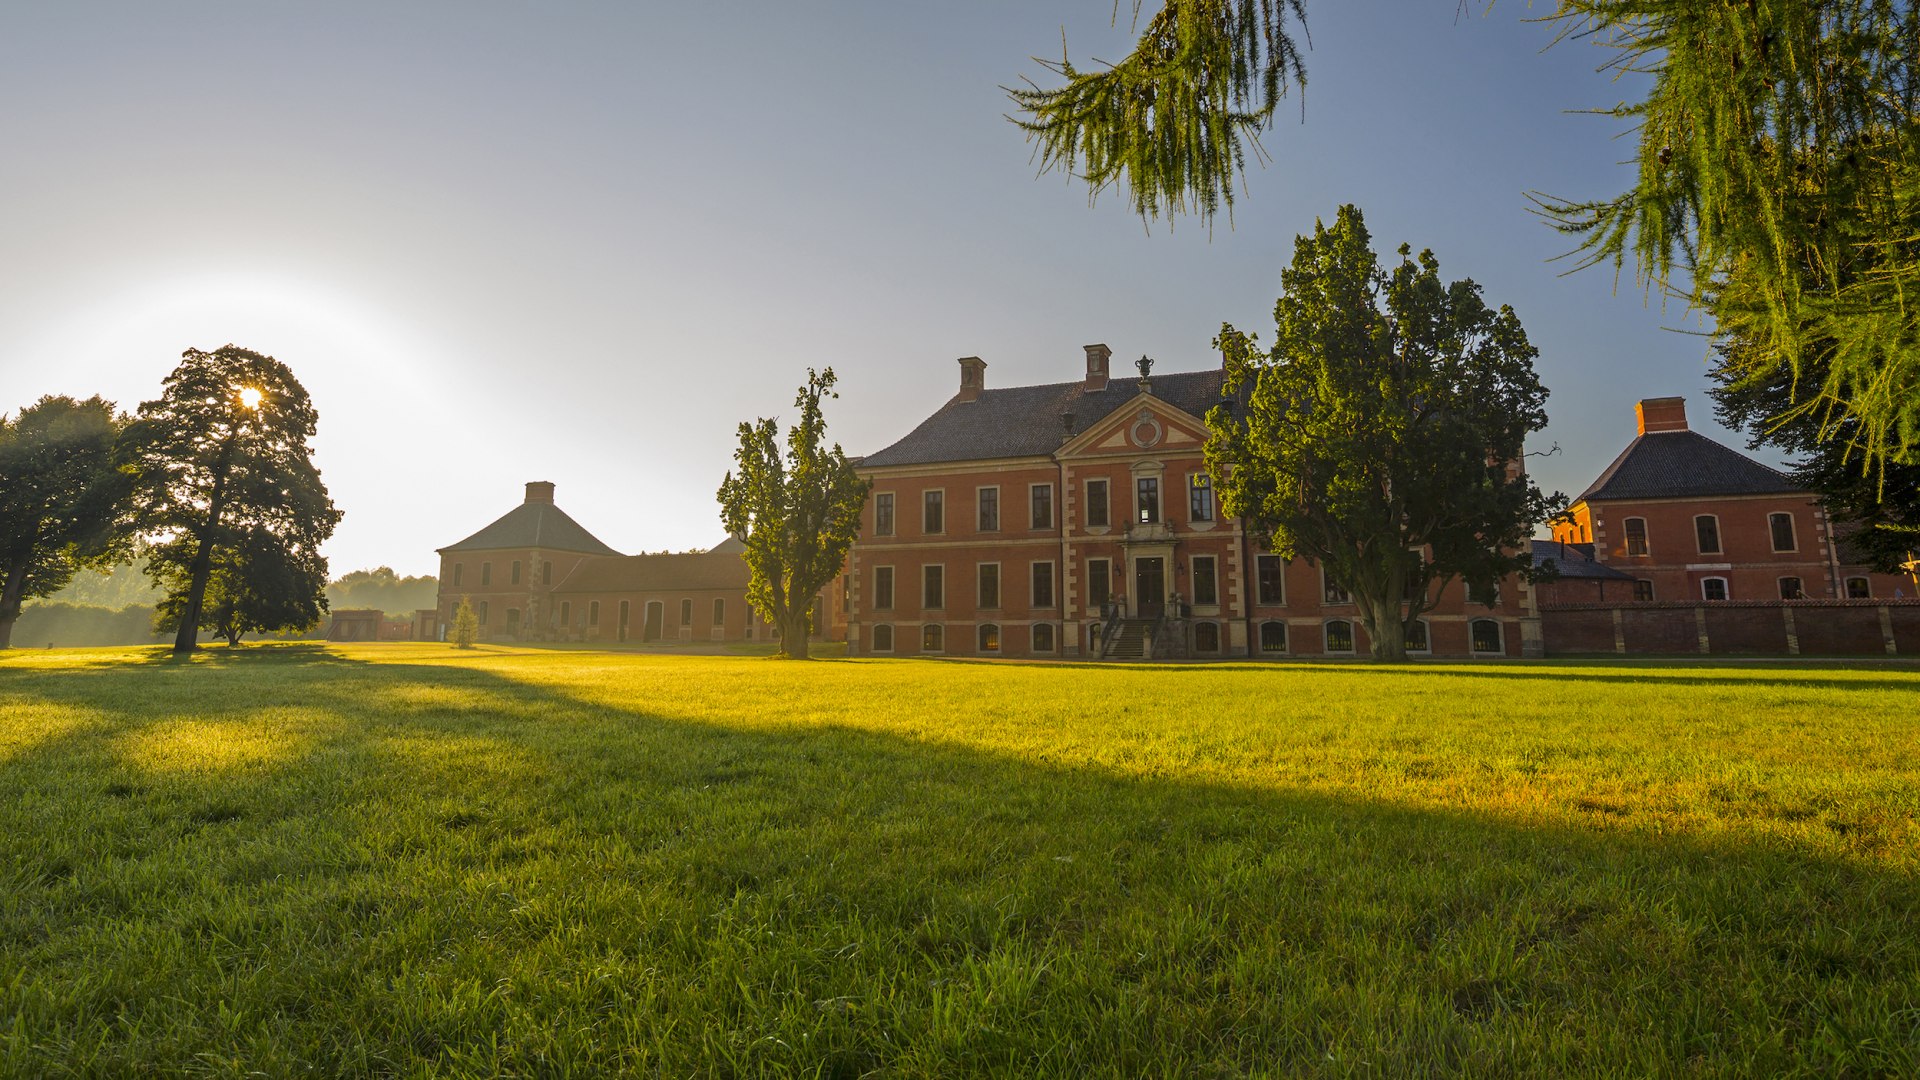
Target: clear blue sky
(502,243)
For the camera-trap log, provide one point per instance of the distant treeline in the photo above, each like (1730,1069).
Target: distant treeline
(115,606)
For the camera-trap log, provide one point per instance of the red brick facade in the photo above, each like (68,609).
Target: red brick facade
(1028,553)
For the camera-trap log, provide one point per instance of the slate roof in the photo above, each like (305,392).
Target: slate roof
(1574,561)
(534,525)
(1024,421)
(657,573)
(1684,464)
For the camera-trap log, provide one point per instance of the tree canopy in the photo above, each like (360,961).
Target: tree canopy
(224,477)
(62,501)
(796,515)
(1384,430)
(1777,185)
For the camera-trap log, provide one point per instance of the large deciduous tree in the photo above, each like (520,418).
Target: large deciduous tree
(1383,432)
(257,585)
(62,500)
(797,514)
(224,471)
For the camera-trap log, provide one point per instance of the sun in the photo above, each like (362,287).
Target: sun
(250,397)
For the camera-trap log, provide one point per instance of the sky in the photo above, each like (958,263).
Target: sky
(581,243)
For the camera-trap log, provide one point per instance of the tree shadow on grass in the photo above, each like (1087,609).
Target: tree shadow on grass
(658,888)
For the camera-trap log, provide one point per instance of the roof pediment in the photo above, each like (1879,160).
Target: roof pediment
(1145,424)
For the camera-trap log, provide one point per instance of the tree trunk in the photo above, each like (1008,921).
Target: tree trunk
(187,638)
(10,599)
(793,636)
(1386,635)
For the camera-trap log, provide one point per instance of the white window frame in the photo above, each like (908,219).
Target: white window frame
(1326,638)
(1033,638)
(875,646)
(999,587)
(980,638)
(1053,508)
(1219,639)
(1213,498)
(893,587)
(1087,500)
(1499,629)
(893,518)
(1726,588)
(1326,591)
(1626,538)
(1257,598)
(1427,626)
(1719,537)
(940,630)
(1260,639)
(1792,527)
(1193,574)
(942,530)
(1053,584)
(999,509)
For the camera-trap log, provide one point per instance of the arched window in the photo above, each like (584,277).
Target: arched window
(1713,588)
(1636,536)
(989,637)
(1273,636)
(1339,636)
(1417,639)
(1206,637)
(933,638)
(1486,636)
(1043,637)
(883,638)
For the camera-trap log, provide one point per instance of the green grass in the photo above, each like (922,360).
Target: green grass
(410,860)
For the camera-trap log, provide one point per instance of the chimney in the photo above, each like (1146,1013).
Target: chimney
(973,377)
(540,491)
(1661,414)
(1097,357)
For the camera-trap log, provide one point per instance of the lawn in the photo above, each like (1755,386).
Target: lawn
(411,860)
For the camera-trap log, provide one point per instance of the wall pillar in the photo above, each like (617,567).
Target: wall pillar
(1619,633)
(1700,627)
(1793,636)
(1886,630)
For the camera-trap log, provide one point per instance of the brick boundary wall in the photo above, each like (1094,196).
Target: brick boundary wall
(1735,628)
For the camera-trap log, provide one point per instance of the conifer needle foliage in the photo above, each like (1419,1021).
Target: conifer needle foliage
(1170,124)
(1778,188)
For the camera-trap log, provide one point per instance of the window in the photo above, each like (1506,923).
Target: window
(513,578)
(1790,589)
(1273,636)
(933,638)
(486,574)
(1486,636)
(1332,593)
(1636,536)
(989,638)
(1415,588)
(625,615)
(1206,586)
(593,613)
(1706,530)
(1486,595)
(1643,590)
(1858,588)
(883,514)
(1782,527)
(513,618)
(1147,498)
(1097,503)
(989,509)
(1043,584)
(1043,637)
(933,586)
(933,512)
(1200,497)
(883,638)
(1417,639)
(566,613)
(458,569)
(1042,498)
(1272,582)
(1099,583)
(1339,636)
(546,571)
(1206,637)
(483,613)
(719,611)
(883,588)
(686,612)
(1713,588)
(990,585)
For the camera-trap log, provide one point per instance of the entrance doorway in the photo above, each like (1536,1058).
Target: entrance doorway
(656,614)
(1149,586)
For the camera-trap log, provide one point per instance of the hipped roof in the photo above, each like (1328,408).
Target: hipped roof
(534,525)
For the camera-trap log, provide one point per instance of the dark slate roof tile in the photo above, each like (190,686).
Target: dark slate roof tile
(1024,421)
(1684,464)
(1574,561)
(534,525)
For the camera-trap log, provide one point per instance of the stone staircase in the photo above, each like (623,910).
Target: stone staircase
(1129,641)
